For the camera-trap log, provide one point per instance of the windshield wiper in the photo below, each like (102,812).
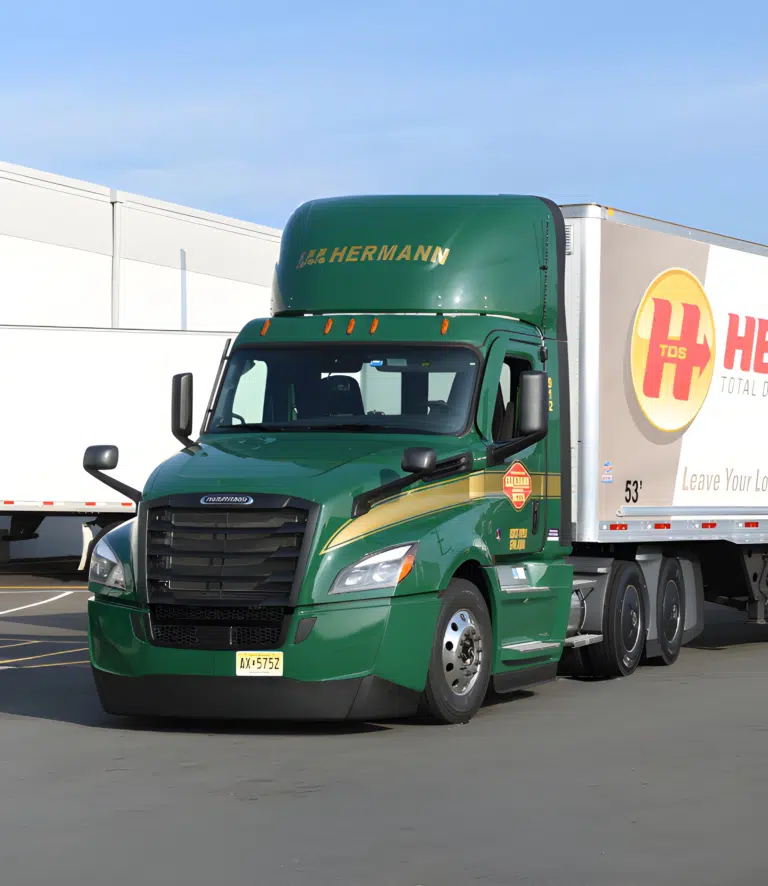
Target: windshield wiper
(351,426)
(298,426)
(253,426)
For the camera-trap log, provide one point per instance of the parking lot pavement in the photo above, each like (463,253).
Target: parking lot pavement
(659,779)
(41,626)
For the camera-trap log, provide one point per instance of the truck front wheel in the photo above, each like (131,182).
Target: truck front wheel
(462,652)
(624,625)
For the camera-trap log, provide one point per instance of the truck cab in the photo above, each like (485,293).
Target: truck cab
(374,520)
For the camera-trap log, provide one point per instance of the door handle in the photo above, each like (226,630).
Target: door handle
(535,518)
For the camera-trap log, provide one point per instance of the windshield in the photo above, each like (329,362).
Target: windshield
(422,389)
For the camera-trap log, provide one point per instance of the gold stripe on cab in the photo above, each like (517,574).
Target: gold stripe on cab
(432,499)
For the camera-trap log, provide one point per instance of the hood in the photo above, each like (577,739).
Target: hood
(316,466)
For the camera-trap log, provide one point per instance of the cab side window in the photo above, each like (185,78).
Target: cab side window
(504,425)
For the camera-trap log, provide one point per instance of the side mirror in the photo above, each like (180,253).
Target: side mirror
(181,408)
(533,419)
(104,458)
(418,459)
(101,458)
(534,404)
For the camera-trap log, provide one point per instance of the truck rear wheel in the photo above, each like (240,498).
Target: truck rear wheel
(670,611)
(624,625)
(462,653)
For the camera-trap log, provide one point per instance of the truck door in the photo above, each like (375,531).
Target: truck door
(522,478)
(528,609)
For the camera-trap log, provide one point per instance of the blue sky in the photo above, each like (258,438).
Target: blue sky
(250,108)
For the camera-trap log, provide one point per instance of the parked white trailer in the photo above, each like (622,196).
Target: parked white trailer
(668,364)
(105,295)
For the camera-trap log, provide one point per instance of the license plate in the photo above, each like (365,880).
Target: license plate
(259,664)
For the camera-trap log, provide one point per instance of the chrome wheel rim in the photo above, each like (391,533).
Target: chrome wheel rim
(671,611)
(631,619)
(462,652)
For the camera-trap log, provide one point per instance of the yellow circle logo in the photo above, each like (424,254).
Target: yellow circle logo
(673,350)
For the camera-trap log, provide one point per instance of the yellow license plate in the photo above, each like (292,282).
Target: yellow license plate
(259,664)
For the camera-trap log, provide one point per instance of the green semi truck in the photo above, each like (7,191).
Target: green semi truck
(467,451)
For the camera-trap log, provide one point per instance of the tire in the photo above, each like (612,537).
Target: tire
(670,611)
(462,654)
(624,625)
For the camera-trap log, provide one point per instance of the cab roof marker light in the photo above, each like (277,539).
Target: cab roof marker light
(265,327)
(350,326)
(374,325)
(328,325)
(444,326)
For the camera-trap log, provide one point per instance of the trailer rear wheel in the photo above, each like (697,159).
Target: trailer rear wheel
(670,611)
(462,652)
(624,625)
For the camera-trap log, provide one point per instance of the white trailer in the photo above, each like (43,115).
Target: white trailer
(668,365)
(105,295)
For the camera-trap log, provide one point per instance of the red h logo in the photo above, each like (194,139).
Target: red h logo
(685,353)
(671,375)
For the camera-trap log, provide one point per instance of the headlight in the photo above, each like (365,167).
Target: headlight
(106,569)
(384,569)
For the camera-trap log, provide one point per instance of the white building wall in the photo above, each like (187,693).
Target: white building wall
(78,255)
(42,284)
(74,254)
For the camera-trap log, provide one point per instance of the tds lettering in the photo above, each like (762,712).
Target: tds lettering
(518,539)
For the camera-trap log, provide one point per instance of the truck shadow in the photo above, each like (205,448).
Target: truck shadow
(52,684)
(725,627)
(45,628)
(729,635)
(65,692)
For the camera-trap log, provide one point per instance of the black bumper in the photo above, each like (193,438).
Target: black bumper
(253,698)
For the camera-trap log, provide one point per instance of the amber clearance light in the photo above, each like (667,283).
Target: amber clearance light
(405,569)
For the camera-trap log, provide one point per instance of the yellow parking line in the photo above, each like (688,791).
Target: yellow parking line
(23,643)
(43,655)
(54,664)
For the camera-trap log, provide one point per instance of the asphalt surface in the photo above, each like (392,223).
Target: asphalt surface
(658,779)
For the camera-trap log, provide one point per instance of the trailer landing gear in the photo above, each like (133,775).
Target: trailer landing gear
(24,527)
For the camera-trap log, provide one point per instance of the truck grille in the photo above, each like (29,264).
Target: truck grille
(199,556)
(214,627)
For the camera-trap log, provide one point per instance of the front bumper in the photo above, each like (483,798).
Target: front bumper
(249,698)
(360,660)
